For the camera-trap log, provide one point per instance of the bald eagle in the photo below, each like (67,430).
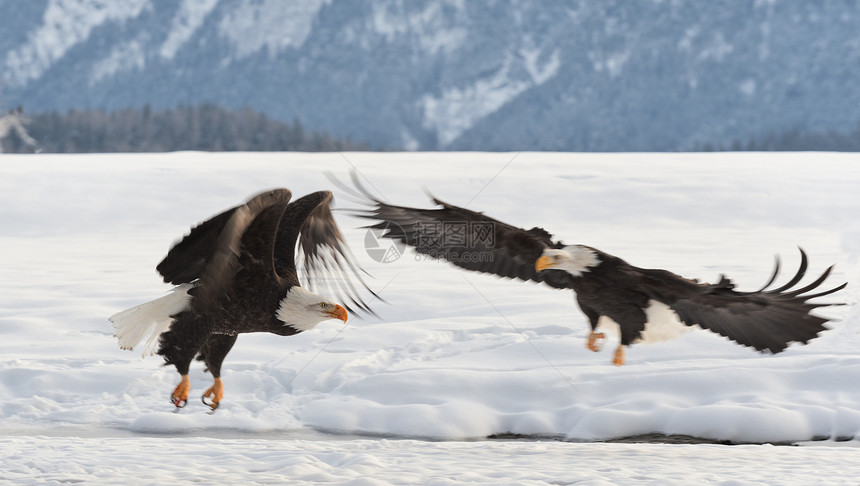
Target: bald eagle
(236,273)
(639,303)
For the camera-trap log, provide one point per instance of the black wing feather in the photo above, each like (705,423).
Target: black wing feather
(767,320)
(263,211)
(468,239)
(309,234)
(270,229)
(187,259)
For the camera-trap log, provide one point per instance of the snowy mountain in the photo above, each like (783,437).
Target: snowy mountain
(490,75)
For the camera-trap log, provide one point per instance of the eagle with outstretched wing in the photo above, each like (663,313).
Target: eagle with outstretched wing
(640,304)
(239,272)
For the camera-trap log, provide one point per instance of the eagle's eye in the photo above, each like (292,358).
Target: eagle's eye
(324,305)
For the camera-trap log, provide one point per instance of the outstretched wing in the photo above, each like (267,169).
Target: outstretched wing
(187,259)
(311,249)
(263,211)
(767,319)
(468,239)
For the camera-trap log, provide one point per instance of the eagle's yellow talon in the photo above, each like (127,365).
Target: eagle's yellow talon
(180,394)
(618,359)
(215,393)
(595,341)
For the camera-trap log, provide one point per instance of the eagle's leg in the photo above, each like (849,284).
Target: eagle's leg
(213,353)
(178,347)
(179,397)
(214,393)
(631,322)
(595,341)
(618,358)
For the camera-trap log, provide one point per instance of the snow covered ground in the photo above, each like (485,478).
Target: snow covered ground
(455,357)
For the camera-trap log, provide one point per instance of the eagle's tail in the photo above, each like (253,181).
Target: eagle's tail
(151,318)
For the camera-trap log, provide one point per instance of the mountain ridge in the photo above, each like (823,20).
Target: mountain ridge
(639,75)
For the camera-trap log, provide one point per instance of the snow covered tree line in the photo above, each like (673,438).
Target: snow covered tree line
(205,127)
(211,128)
(795,140)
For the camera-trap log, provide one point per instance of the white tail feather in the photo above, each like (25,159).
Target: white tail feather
(152,318)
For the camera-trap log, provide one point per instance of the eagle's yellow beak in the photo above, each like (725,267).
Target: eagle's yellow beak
(338,313)
(543,263)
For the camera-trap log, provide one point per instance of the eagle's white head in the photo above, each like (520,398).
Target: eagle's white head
(302,309)
(573,259)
